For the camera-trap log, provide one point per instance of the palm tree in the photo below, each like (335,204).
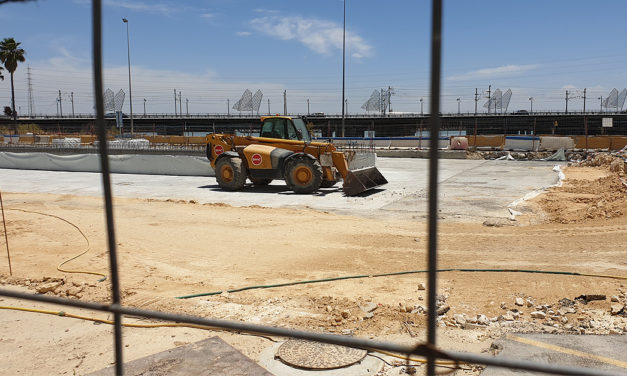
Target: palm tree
(10,55)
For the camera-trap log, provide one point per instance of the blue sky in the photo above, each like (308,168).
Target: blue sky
(212,50)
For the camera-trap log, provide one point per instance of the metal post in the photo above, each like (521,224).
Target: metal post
(584,100)
(144,107)
(343,67)
(228,107)
(187,106)
(421,103)
(268,106)
(490,99)
(459,101)
(180,105)
(130,90)
(436,56)
(106,183)
(600,104)
(307,106)
(72,99)
(476,99)
(285,102)
(566,101)
(531,104)
(60,104)
(6,237)
(175,102)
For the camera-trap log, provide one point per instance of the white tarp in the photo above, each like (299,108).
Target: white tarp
(181,165)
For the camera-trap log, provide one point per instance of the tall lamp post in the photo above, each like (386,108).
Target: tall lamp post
(130,91)
(531,105)
(421,103)
(459,100)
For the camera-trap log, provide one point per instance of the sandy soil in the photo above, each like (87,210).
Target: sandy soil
(173,248)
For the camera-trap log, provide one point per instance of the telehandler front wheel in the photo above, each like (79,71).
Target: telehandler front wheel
(231,173)
(303,174)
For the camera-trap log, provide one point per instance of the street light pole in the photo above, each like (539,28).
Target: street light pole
(144,107)
(421,103)
(307,106)
(130,90)
(531,104)
(459,100)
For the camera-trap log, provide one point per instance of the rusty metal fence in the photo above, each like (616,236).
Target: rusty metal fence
(428,349)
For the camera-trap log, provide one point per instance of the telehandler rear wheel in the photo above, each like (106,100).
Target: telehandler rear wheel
(303,175)
(231,173)
(259,181)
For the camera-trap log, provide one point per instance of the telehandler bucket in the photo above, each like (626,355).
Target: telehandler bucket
(361,180)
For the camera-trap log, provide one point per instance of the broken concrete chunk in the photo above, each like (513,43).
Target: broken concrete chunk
(368,307)
(48,287)
(519,302)
(538,315)
(460,319)
(443,309)
(617,309)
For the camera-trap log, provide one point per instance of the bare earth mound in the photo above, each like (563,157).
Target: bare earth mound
(173,248)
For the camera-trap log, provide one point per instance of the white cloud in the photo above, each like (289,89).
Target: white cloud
(208,16)
(243,33)
(486,73)
(319,36)
(138,6)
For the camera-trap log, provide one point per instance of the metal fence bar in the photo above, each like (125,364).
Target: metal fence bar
(238,326)
(106,181)
(432,255)
(429,350)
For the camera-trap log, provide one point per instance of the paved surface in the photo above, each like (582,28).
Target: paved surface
(606,353)
(212,356)
(468,188)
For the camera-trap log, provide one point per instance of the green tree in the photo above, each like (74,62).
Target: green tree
(10,55)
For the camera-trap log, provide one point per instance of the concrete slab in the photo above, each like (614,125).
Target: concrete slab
(368,366)
(212,356)
(468,188)
(605,353)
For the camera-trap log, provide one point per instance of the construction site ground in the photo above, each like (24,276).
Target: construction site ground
(181,235)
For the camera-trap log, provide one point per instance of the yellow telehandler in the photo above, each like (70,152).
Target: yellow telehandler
(284,150)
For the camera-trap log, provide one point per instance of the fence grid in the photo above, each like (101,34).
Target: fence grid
(429,349)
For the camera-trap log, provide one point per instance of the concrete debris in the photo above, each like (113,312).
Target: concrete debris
(519,302)
(566,302)
(48,287)
(483,320)
(538,315)
(368,315)
(368,307)
(617,309)
(460,319)
(614,298)
(530,302)
(590,297)
(443,309)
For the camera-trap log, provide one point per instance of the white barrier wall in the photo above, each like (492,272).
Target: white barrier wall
(524,143)
(181,165)
(556,143)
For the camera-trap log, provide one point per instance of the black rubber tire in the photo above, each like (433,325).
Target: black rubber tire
(231,173)
(303,174)
(259,181)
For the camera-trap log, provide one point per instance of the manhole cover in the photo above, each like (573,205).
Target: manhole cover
(314,355)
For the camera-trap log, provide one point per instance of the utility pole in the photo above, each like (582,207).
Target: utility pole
(459,101)
(421,103)
(389,99)
(144,107)
(490,99)
(174,102)
(187,106)
(130,90)
(60,104)
(531,104)
(307,106)
(346,103)
(228,107)
(72,98)
(566,101)
(584,100)
(180,104)
(285,102)
(31,101)
(268,106)
(600,103)
(476,99)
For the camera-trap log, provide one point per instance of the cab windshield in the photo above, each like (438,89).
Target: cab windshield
(302,129)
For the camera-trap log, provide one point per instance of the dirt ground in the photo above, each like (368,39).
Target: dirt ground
(174,248)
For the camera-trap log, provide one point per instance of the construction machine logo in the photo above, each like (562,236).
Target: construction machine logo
(219,149)
(256,159)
